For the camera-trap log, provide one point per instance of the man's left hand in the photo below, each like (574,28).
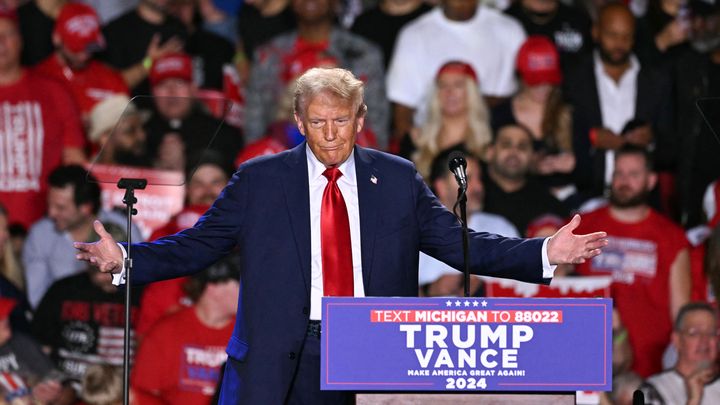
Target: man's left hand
(567,248)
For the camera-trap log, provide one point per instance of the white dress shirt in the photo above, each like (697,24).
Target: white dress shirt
(348,187)
(617,102)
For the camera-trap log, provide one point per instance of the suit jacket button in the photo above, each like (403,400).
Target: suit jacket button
(291,356)
(306,310)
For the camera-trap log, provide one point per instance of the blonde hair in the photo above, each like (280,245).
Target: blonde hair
(336,81)
(556,124)
(478,134)
(102,385)
(10,266)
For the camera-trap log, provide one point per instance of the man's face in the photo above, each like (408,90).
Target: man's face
(631,182)
(447,188)
(511,153)
(129,136)
(10,44)
(330,126)
(310,11)
(452,93)
(205,185)
(697,340)
(173,98)
(615,36)
(459,10)
(63,211)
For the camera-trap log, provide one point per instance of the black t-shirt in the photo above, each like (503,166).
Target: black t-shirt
(36,31)
(211,51)
(256,29)
(128,37)
(82,323)
(382,29)
(523,206)
(569,29)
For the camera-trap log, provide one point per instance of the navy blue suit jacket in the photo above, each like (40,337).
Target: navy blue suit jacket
(265,212)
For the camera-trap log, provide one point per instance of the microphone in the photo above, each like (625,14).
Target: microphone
(457,164)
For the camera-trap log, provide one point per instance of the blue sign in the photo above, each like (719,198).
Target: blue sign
(466,344)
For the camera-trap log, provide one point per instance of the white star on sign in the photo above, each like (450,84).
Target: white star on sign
(475,303)
(448,303)
(484,303)
(467,303)
(457,303)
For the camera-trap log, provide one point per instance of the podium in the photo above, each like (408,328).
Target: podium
(501,348)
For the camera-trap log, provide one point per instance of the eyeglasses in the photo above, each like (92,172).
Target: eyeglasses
(697,333)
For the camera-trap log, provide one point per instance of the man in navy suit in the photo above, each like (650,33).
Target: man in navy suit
(272,211)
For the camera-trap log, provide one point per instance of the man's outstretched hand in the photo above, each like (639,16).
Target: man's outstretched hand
(567,248)
(105,254)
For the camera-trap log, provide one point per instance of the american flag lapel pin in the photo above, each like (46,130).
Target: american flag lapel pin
(373,179)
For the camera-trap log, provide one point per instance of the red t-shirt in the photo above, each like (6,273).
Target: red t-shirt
(167,296)
(179,361)
(638,256)
(89,85)
(38,119)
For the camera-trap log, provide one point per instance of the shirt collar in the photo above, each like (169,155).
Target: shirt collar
(316,168)
(632,70)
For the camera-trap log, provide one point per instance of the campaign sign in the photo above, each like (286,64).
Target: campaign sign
(466,344)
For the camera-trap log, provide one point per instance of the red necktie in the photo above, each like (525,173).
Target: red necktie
(337,265)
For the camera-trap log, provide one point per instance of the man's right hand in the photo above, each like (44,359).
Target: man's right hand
(105,254)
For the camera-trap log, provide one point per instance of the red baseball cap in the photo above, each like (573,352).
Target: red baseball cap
(538,62)
(78,27)
(457,66)
(6,306)
(172,66)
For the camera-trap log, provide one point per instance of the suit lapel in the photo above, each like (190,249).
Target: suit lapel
(369,183)
(297,199)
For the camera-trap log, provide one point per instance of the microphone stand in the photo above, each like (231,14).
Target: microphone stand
(129,185)
(462,203)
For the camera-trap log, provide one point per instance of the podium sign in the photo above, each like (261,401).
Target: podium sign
(466,344)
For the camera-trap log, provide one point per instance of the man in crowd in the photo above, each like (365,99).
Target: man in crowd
(319,196)
(138,38)
(647,256)
(567,26)
(81,319)
(693,380)
(435,277)
(281,60)
(28,374)
(454,30)
(204,187)
(73,205)
(508,185)
(39,129)
(77,37)
(179,120)
(180,359)
(620,100)
(116,129)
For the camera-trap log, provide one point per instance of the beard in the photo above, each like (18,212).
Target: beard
(629,200)
(608,58)
(131,158)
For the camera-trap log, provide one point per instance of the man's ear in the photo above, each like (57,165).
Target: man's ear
(360,124)
(652,180)
(299,124)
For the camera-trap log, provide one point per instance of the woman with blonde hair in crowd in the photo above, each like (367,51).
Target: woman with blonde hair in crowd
(539,106)
(456,114)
